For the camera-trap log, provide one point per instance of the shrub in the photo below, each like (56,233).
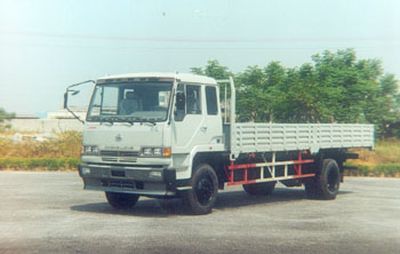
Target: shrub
(387,170)
(39,163)
(66,144)
(59,153)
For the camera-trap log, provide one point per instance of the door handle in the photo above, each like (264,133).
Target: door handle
(203,129)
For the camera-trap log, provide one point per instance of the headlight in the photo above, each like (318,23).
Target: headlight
(90,150)
(156,152)
(147,151)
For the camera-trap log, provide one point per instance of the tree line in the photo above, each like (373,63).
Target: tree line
(335,87)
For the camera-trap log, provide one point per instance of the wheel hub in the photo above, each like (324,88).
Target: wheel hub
(204,190)
(333,181)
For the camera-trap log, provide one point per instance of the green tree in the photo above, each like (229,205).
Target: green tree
(382,107)
(251,98)
(334,87)
(341,90)
(212,69)
(257,92)
(4,116)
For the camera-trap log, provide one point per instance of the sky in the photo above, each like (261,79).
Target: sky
(47,45)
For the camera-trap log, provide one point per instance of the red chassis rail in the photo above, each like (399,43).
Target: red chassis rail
(271,167)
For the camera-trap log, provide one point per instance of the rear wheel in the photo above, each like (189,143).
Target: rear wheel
(121,200)
(325,185)
(204,188)
(259,188)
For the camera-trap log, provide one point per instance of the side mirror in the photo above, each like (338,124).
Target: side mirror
(65,100)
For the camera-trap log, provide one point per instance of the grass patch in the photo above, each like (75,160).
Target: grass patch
(65,144)
(383,170)
(49,164)
(59,153)
(383,161)
(63,153)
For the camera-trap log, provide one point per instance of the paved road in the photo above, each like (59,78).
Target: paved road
(49,213)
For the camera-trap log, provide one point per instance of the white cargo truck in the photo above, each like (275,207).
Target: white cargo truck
(173,135)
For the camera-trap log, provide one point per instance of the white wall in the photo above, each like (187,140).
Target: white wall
(45,125)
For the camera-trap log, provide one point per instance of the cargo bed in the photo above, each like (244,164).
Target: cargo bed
(275,137)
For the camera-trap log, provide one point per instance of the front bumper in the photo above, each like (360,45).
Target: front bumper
(148,181)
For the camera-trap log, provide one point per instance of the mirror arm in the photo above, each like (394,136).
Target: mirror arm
(75,115)
(80,83)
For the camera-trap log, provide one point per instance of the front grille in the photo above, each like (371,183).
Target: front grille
(125,159)
(116,153)
(119,159)
(115,159)
(119,156)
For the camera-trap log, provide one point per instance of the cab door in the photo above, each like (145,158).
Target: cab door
(212,117)
(188,117)
(197,119)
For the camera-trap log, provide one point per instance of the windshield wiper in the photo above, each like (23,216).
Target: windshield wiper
(148,121)
(106,120)
(126,121)
(131,121)
(139,120)
(123,120)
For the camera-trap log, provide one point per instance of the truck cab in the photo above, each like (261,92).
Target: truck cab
(143,131)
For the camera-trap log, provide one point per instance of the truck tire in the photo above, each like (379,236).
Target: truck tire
(259,188)
(121,200)
(201,197)
(325,185)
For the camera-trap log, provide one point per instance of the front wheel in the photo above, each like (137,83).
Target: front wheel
(201,197)
(121,200)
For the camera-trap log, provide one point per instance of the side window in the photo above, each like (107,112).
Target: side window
(95,105)
(211,98)
(180,105)
(109,100)
(193,100)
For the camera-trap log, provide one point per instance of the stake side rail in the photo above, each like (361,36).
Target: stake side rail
(274,174)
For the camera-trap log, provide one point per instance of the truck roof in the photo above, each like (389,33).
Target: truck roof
(184,77)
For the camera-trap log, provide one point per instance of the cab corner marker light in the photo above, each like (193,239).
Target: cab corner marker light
(167,152)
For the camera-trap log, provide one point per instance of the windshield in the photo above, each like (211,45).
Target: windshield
(133,102)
